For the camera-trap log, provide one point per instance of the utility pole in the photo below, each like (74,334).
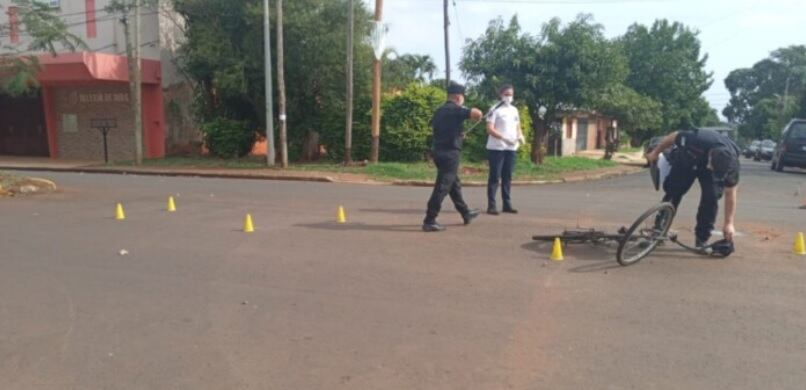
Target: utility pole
(270,157)
(376,92)
(281,85)
(447,45)
(348,129)
(132,68)
(783,102)
(138,85)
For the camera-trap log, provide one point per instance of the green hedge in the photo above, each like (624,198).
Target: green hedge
(227,138)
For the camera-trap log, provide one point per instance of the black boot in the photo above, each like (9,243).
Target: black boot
(510,210)
(470,215)
(432,227)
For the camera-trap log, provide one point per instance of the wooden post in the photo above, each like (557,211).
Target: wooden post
(447,46)
(270,146)
(281,86)
(348,129)
(138,86)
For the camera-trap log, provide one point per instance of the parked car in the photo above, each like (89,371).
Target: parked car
(750,150)
(765,151)
(791,151)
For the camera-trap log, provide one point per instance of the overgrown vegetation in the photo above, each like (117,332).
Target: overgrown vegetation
(766,96)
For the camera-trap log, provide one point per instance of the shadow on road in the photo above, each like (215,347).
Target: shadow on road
(604,256)
(790,171)
(362,227)
(601,266)
(395,211)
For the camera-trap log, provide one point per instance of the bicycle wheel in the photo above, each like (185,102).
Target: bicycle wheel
(645,234)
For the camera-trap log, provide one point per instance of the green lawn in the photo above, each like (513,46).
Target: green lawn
(553,168)
(630,149)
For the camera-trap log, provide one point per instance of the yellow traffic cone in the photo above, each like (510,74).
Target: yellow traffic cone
(171,204)
(248,227)
(340,216)
(800,245)
(557,250)
(119,214)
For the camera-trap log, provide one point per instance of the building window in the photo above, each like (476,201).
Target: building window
(53,3)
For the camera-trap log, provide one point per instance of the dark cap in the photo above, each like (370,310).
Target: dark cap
(456,89)
(725,163)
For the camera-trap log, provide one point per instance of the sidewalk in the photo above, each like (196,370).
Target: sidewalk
(632,159)
(58,165)
(43,163)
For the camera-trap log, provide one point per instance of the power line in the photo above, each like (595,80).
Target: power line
(458,24)
(74,24)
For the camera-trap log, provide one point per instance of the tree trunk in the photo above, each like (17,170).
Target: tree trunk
(281,86)
(540,131)
(611,142)
(310,148)
(348,128)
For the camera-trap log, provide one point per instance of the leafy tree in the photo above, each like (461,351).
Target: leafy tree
(765,96)
(666,64)
(637,115)
(401,71)
(568,67)
(47,33)
(224,55)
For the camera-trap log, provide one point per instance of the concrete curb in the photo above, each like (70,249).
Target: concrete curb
(317,179)
(424,183)
(178,173)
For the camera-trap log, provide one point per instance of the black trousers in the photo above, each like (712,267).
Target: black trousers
(679,182)
(502,164)
(447,183)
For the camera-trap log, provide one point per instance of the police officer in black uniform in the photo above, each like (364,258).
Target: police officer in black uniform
(448,135)
(710,158)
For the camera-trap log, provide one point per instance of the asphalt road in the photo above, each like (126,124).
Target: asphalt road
(304,303)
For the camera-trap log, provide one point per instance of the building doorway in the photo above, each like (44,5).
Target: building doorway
(22,126)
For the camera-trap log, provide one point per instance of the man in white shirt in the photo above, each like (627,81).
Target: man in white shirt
(504,136)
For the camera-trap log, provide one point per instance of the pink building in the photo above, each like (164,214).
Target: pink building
(77,88)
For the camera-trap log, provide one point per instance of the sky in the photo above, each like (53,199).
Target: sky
(734,33)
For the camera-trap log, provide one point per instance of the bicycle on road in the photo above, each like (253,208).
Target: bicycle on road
(648,232)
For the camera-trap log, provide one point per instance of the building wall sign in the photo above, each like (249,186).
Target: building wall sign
(99,97)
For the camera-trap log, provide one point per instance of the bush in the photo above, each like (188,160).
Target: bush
(406,129)
(228,138)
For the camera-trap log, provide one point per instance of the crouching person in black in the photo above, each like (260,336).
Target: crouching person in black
(448,135)
(710,158)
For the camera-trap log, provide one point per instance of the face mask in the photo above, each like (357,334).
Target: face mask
(506,99)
